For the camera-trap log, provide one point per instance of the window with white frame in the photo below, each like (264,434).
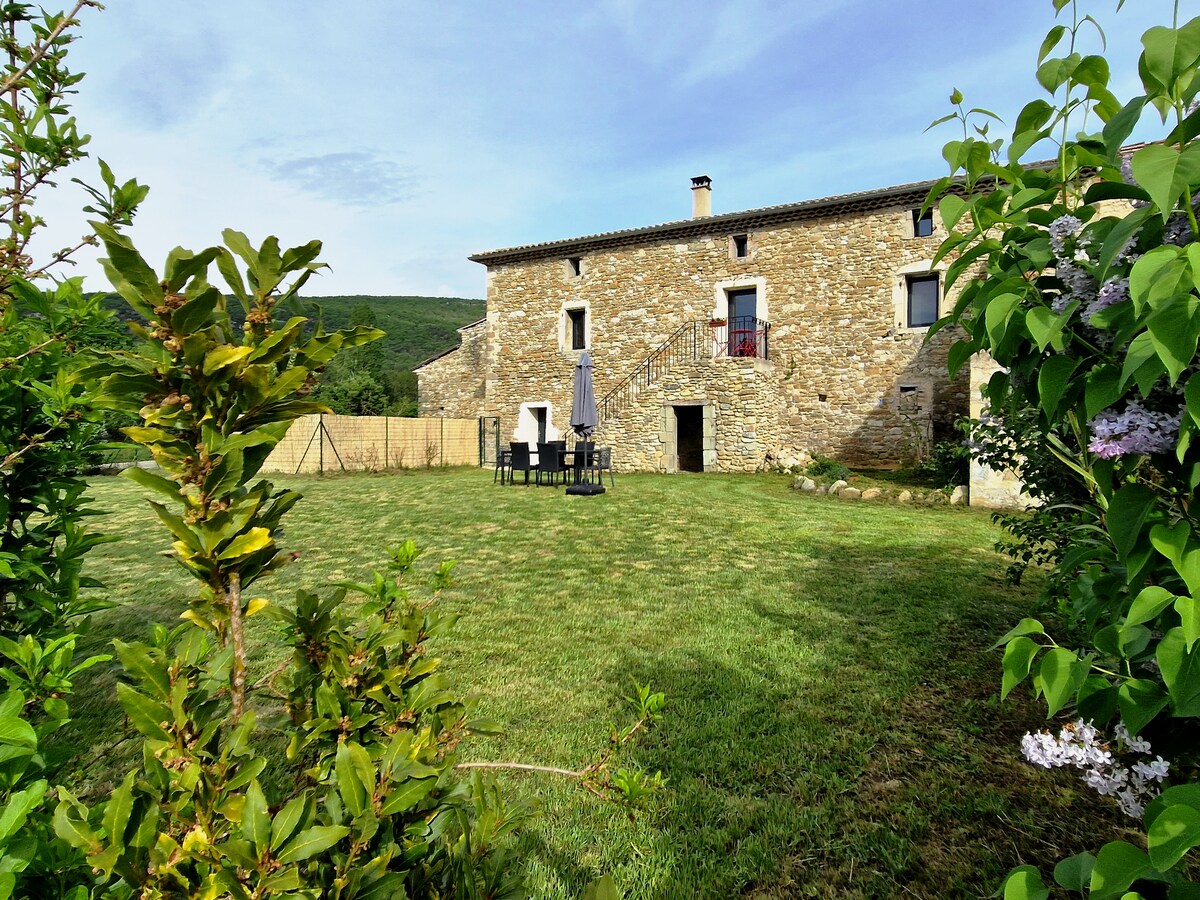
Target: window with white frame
(577,329)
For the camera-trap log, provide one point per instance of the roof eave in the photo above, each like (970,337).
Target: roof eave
(765,216)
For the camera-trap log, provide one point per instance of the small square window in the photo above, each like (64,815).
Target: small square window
(741,245)
(577,319)
(922,300)
(922,223)
(574,266)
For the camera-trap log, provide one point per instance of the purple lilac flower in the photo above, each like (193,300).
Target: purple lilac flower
(1136,430)
(1077,281)
(1062,228)
(1178,230)
(1112,292)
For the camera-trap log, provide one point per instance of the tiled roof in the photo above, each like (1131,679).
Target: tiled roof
(863,201)
(438,356)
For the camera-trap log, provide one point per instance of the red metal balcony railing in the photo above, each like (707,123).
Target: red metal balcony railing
(743,336)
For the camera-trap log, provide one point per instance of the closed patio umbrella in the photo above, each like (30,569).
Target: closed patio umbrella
(584,417)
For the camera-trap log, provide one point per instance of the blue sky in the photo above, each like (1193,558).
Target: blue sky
(407,136)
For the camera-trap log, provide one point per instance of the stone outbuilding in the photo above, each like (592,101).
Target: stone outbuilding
(722,342)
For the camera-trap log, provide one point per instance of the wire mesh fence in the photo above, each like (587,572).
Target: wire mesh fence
(322,444)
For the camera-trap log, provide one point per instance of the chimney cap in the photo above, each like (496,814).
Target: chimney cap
(701,181)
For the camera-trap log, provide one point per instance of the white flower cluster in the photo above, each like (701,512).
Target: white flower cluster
(1080,745)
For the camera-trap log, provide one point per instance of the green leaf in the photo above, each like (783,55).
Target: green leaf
(146,664)
(1176,544)
(1053,379)
(1060,675)
(1174,330)
(256,819)
(309,843)
(1140,700)
(1148,604)
(1118,865)
(1045,326)
(1169,53)
(1074,872)
(1025,626)
(1167,173)
(1141,359)
(1053,36)
(226,474)
(1174,833)
(408,794)
(117,811)
(145,714)
(1180,672)
(1018,657)
(1127,512)
(287,820)
(224,356)
(148,479)
(16,732)
(1189,618)
(1053,73)
(129,273)
(1122,234)
(1025,883)
(1191,396)
(997,315)
(1118,128)
(1103,390)
(16,811)
(604,888)
(245,544)
(74,831)
(354,792)
(951,208)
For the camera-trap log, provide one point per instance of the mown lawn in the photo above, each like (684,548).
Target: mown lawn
(832,727)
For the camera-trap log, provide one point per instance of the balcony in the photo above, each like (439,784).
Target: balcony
(743,336)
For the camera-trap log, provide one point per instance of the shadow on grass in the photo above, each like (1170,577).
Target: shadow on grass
(878,765)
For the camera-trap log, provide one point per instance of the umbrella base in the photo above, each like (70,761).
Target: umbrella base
(585,489)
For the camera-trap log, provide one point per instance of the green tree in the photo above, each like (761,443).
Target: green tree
(1090,300)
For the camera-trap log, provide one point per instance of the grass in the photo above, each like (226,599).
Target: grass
(832,727)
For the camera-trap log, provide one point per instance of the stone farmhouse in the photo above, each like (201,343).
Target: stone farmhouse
(721,342)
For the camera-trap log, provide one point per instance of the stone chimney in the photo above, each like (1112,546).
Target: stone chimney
(701,196)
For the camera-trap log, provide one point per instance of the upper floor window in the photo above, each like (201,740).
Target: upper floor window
(922,223)
(574,266)
(739,246)
(922,300)
(577,328)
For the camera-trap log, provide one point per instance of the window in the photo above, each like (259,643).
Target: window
(922,300)
(922,223)
(577,326)
(574,266)
(740,245)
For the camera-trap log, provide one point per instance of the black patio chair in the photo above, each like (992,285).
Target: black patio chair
(519,461)
(601,462)
(584,451)
(550,462)
(503,459)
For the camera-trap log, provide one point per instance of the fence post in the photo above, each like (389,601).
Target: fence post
(387,459)
(442,435)
(321,443)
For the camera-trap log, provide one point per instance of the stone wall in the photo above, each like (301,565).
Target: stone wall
(845,376)
(452,386)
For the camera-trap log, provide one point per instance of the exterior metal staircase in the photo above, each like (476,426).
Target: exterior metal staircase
(745,337)
(690,341)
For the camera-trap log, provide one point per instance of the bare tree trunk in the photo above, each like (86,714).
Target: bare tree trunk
(237,676)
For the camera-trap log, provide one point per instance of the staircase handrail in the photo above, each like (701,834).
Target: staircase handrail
(687,330)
